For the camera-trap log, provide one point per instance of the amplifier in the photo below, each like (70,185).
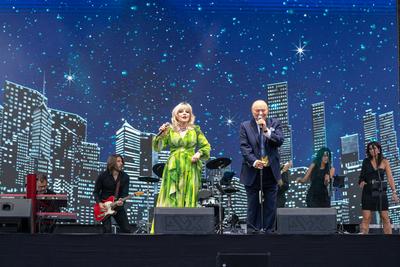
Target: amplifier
(184,221)
(306,220)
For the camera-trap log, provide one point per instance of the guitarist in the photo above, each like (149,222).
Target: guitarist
(113,182)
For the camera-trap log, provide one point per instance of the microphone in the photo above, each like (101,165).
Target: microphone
(161,131)
(259,118)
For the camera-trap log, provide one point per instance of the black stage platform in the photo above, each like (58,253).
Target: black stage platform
(200,250)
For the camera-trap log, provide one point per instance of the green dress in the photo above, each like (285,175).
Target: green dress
(181,178)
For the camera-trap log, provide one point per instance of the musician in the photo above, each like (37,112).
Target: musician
(42,188)
(268,132)
(320,173)
(113,182)
(374,187)
(42,185)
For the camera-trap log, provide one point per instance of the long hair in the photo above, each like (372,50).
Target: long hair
(380,155)
(318,157)
(179,107)
(112,162)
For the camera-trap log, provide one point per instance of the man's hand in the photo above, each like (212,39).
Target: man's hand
(102,206)
(258,164)
(280,183)
(262,124)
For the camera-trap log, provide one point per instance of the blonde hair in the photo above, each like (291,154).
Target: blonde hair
(179,107)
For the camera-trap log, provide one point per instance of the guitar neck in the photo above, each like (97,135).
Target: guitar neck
(123,200)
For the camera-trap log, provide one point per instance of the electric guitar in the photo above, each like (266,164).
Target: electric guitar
(110,205)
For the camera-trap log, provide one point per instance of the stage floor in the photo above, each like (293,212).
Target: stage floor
(195,250)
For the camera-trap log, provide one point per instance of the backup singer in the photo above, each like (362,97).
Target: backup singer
(182,173)
(258,136)
(113,182)
(372,182)
(320,173)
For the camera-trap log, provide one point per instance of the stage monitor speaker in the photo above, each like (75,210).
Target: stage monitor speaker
(306,220)
(243,259)
(15,208)
(184,221)
(14,215)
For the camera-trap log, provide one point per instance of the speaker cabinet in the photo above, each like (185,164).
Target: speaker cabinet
(184,221)
(306,220)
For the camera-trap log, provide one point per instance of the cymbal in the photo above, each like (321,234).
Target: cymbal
(218,163)
(158,169)
(149,179)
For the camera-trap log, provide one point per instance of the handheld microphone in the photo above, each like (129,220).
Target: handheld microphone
(259,118)
(161,131)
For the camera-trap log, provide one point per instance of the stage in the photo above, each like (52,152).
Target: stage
(195,250)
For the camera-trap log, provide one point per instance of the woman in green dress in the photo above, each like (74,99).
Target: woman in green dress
(182,173)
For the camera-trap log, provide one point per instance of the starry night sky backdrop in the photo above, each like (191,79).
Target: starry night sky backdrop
(135,60)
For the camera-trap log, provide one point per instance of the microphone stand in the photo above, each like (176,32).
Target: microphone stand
(380,192)
(261,194)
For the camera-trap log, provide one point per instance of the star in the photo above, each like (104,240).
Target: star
(70,77)
(300,50)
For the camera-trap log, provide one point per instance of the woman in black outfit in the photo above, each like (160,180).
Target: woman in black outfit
(319,172)
(372,181)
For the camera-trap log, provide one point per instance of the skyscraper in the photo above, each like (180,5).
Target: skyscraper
(278,108)
(128,143)
(370,127)
(296,195)
(40,150)
(318,126)
(390,150)
(349,202)
(18,106)
(84,180)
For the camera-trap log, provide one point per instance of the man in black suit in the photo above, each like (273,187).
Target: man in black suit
(260,139)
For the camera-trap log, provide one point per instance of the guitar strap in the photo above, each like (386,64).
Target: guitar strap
(117,187)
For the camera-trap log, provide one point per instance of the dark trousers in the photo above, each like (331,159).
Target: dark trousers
(122,220)
(270,189)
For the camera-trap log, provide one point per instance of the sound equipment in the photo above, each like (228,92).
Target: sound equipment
(306,220)
(184,221)
(15,214)
(15,208)
(243,259)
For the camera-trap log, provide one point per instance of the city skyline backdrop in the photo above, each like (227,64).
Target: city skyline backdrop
(327,70)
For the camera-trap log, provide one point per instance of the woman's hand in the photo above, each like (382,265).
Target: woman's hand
(196,157)
(163,128)
(362,184)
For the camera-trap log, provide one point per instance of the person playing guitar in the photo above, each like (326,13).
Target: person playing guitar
(113,182)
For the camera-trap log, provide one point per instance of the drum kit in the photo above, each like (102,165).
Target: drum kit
(214,188)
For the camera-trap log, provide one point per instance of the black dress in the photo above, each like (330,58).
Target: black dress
(317,195)
(370,199)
